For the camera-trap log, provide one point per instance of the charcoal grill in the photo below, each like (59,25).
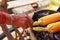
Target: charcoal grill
(36,15)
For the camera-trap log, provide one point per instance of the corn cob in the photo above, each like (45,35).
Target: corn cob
(52,28)
(47,19)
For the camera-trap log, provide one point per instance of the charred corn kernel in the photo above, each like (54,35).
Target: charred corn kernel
(38,28)
(53,27)
(47,19)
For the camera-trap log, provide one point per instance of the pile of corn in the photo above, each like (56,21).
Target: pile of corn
(52,23)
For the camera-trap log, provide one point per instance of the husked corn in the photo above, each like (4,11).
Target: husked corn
(53,27)
(47,19)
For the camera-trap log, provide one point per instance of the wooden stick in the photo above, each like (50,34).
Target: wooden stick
(19,34)
(13,4)
(7,33)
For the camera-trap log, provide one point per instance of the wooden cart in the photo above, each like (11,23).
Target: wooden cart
(7,6)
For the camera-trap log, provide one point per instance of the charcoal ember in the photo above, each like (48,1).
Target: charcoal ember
(51,37)
(47,36)
(57,36)
(39,35)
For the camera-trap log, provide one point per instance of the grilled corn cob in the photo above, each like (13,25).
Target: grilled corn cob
(47,19)
(52,28)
